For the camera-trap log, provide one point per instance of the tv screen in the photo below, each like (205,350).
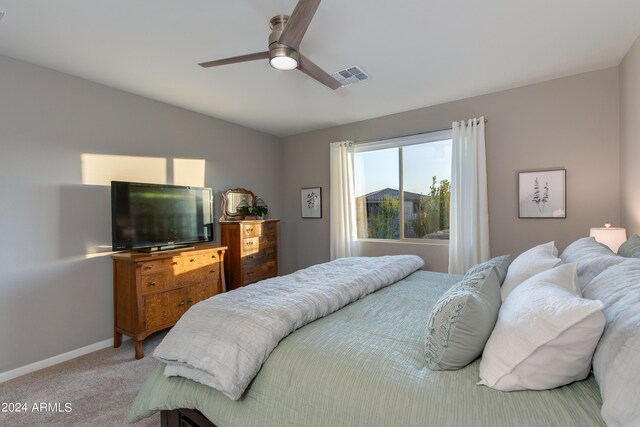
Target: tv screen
(153,216)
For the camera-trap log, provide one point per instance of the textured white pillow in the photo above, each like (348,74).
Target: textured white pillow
(545,334)
(528,264)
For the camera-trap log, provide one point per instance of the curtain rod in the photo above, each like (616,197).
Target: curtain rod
(412,134)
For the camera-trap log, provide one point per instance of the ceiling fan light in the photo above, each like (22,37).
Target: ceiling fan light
(283,63)
(283,57)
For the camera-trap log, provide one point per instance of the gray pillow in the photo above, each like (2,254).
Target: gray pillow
(630,248)
(500,263)
(591,257)
(462,320)
(616,361)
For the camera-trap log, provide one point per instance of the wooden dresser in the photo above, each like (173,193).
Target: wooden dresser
(152,291)
(252,253)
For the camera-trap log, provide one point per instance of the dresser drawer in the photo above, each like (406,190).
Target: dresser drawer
(195,259)
(250,245)
(250,230)
(269,229)
(186,277)
(201,292)
(151,267)
(263,255)
(156,282)
(164,308)
(267,241)
(258,272)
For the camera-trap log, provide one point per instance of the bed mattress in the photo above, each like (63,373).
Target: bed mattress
(364,366)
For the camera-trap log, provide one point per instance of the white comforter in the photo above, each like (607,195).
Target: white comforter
(222,342)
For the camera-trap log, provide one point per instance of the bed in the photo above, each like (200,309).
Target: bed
(363,365)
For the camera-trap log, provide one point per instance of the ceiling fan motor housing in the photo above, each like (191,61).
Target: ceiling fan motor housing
(276,49)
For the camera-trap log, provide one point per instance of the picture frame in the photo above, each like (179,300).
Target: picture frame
(311,202)
(542,193)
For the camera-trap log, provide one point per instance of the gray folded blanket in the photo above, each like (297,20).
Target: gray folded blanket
(223,341)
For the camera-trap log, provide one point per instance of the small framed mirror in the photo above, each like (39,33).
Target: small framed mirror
(233,198)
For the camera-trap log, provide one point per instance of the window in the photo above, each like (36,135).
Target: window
(411,175)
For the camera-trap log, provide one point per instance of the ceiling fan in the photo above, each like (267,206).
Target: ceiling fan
(284,43)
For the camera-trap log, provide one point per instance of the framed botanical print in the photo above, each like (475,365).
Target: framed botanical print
(541,194)
(311,199)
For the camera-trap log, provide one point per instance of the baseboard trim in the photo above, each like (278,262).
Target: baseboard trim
(36,366)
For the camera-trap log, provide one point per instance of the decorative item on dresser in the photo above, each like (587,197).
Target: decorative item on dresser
(252,253)
(152,291)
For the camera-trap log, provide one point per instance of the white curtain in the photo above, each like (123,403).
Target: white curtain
(343,235)
(469,221)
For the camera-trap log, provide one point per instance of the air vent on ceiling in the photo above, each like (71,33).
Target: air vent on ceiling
(350,75)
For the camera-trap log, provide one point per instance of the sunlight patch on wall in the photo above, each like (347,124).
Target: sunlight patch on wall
(101,169)
(188,172)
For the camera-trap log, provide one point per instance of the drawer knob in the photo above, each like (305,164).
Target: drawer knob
(249,273)
(148,267)
(181,303)
(249,230)
(190,301)
(192,260)
(174,263)
(212,271)
(152,283)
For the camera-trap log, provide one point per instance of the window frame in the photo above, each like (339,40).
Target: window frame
(400,142)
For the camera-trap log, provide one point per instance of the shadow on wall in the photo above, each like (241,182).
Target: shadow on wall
(85,220)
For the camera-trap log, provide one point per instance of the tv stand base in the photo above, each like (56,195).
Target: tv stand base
(164,248)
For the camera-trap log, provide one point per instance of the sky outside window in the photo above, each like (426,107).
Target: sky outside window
(377,170)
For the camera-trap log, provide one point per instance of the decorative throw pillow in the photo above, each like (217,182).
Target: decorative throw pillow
(462,320)
(591,257)
(500,264)
(545,335)
(616,362)
(528,264)
(630,248)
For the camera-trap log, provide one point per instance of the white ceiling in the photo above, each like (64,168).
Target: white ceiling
(417,52)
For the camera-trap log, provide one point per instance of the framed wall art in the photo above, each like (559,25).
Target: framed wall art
(542,194)
(311,199)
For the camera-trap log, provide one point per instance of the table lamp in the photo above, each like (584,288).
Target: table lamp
(610,236)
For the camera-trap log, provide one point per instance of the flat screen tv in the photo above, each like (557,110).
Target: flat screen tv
(151,217)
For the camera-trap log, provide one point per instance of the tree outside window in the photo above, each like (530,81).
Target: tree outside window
(423,171)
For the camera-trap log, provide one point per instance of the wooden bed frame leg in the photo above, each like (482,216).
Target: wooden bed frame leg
(183,417)
(169,418)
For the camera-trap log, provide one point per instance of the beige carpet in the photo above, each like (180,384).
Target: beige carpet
(100,388)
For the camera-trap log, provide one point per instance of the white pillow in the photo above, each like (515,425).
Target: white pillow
(545,335)
(528,264)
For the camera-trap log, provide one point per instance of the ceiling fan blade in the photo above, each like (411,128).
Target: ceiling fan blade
(313,71)
(298,23)
(236,59)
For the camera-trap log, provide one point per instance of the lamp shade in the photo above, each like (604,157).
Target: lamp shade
(612,237)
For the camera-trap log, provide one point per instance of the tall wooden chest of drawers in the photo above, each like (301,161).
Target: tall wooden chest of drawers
(252,253)
(152,291)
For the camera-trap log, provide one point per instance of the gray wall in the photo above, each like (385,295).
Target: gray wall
(630,139)
(571,122)
(55,298)
(56,286)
